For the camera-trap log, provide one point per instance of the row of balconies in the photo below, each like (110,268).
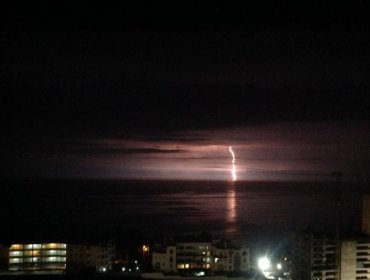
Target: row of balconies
(192,253)
(38,253)
(362,274)
(363,249)
(37,246)
(323,250)
(37,260)
(190,259)
(365,264)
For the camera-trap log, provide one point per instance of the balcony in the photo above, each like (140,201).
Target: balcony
(16,247)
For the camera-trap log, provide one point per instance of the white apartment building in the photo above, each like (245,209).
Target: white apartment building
(355,259)
(165,259)
(203,257)
(329,259)
(193,255)
(228,258)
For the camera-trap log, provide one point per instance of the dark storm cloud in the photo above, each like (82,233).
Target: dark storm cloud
(59,147)
(119,151)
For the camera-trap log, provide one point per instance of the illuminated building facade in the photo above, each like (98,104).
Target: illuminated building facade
(193,255)
(201,257)
(59,257)
(37,257)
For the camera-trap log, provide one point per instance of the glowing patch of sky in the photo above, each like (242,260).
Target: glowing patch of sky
(263,152)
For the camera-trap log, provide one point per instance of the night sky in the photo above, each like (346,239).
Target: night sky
(149,90)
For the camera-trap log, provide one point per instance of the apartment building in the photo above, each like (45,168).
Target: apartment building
(355,259)
(59,257)
(191,255)
(164,259)
(38,257)
(324,259)
(228,258)
(329,259)
(201,257)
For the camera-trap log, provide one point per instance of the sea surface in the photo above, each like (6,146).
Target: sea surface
(94,209)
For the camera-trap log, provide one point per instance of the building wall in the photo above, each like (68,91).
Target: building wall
(171,256)
(165,261)
(348,260)
(159,261)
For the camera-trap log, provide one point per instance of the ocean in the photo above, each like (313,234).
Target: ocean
(76,209)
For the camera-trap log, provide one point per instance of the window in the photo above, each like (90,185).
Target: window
(15,260)
(16,247)
(15,253)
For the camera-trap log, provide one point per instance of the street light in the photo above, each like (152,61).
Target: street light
(264,263)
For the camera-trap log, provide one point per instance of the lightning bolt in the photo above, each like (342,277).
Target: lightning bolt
(233,169)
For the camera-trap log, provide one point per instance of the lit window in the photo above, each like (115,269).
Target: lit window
(54,245)
(51,259)
(15,260)
(16,247)
(15,253)
(28,253)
